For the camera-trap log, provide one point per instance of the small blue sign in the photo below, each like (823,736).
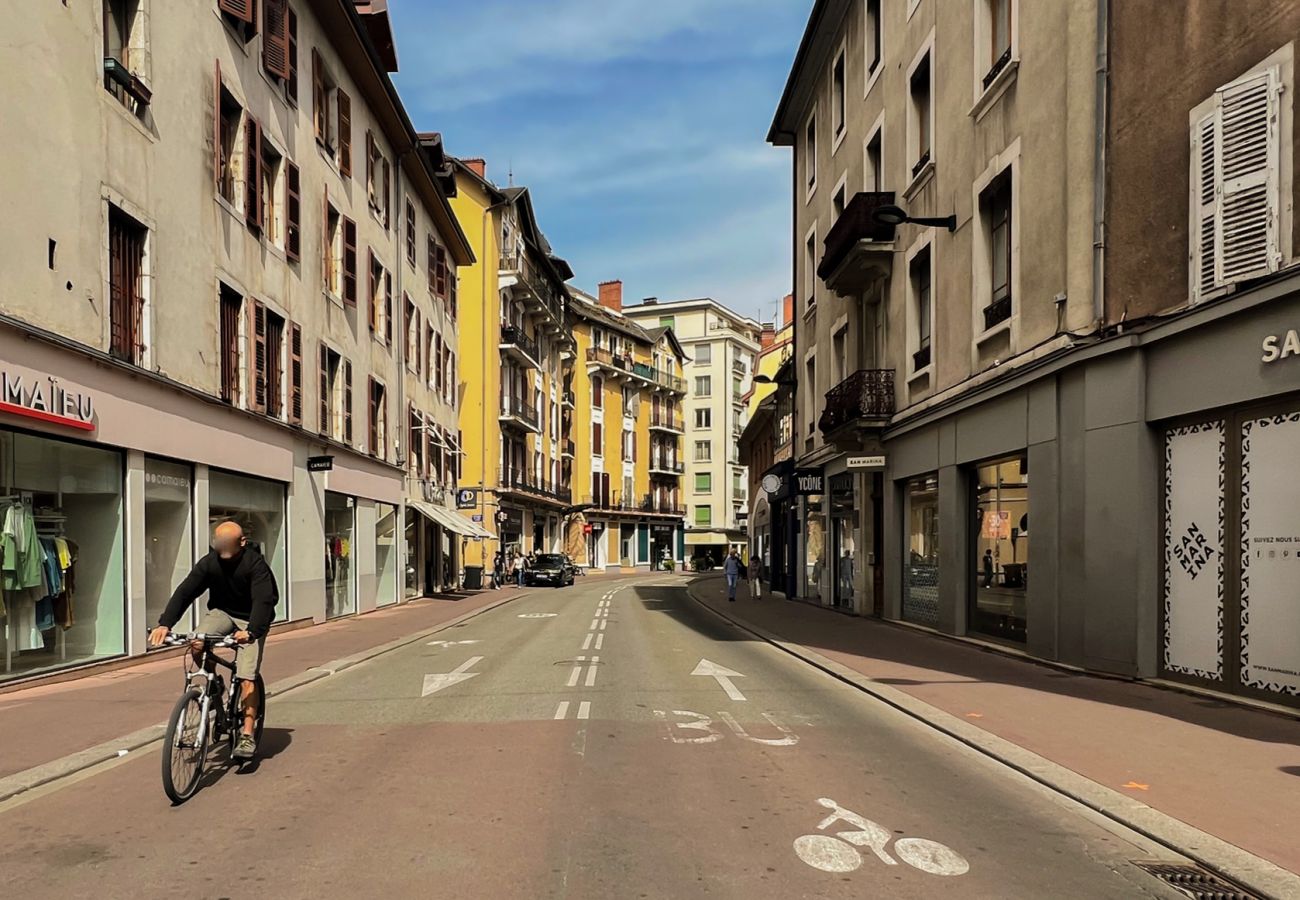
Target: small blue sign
(477,517)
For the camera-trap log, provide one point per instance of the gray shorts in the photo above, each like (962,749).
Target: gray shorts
(248,657)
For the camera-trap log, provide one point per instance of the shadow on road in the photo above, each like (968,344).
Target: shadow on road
(274,742)
(671,600)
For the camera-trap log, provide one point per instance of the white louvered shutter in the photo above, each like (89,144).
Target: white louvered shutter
(1204,203)
(1248,240)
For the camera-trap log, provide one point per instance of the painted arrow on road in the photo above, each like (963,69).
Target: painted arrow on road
(724,675)
(434,683)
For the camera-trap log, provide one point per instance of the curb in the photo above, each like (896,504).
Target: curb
(1253,872)
(46,773)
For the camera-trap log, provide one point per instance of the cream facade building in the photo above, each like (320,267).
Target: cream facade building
(721,347)
(205,315)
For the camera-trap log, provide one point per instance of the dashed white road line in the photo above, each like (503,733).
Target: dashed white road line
(594,623)
(586,645)
(562,710)
(600,641)
(584,709)
(603,623)
(591,672)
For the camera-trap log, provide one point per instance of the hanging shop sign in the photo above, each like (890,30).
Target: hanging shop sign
(467,498)
(997,525)
(808,482)
(320,464)
(477,517)
(586,529)
(45,400)
(771,483)
(866,462)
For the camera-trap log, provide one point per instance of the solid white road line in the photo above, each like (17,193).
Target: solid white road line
(600,641)
(586,645)
(584,709)
(562,710)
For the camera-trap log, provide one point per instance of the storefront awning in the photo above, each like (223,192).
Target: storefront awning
(451,521)
(705,538)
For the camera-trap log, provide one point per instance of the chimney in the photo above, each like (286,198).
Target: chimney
(787,311)
(767,337)
(611,295)
(478,166)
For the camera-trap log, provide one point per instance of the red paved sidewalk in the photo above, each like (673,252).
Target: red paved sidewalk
(1228,770)
(48,722)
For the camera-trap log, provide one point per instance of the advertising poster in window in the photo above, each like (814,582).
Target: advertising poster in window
(1194,508)
(1270,554)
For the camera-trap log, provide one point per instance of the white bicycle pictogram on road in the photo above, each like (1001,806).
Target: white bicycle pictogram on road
(840,853)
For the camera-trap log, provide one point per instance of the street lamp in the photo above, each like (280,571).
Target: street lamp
(896,215)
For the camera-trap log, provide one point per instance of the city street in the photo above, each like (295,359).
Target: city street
(612,739)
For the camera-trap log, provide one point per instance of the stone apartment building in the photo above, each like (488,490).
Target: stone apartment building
(720,347)
(204,313)
(1088,330)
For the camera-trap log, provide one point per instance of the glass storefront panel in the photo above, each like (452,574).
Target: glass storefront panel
(1002,549)
(815,571)
(63,575)
(845,538)
(413,562)
(921,568)
(258,506)
(340,571)
(168,534)
(386,553)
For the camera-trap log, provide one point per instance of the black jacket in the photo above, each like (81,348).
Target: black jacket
(248,592)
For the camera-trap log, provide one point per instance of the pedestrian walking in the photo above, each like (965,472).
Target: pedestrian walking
(756,574)
(497,562)
(519,570)
(731,568)
(988,568)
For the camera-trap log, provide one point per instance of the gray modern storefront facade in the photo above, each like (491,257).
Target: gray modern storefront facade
(1157,468)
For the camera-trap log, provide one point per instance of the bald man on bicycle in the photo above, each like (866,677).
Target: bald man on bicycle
(242,595)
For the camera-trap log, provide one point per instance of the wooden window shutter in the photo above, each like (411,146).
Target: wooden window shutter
(441,284)
(388,197)
(349,261)
(372,441)
(451,290)
(388,308)
(370,162)
(326,250)
(1249,219)
(295,374)
(374,291)
(291,83)
(216,129)
(319,111)
(437,361)
(242,10)
(258,369)
(275,37)
(253,174)
(432,262)
(410,233)
(324,404)
(347,401)
(1205,205)
(345,133)
(293,204)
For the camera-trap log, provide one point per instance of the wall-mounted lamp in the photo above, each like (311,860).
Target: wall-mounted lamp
(896,215)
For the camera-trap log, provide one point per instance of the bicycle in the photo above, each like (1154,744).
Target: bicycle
(205,712)
(840,854)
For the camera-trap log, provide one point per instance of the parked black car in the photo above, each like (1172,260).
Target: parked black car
(549,568)
(571,567)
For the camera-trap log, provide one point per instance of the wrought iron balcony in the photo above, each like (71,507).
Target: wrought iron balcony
(518,345)
(516,410)
(645,504)
(865,399)
(667,420)
(570,399)
(858,249)
(618,364)
(522,481)
(570,449)
(667,467)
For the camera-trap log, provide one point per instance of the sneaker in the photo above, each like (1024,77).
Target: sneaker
(245,748)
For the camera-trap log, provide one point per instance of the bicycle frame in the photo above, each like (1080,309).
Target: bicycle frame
(206,659)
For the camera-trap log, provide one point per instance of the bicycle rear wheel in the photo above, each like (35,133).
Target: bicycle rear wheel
(183,753)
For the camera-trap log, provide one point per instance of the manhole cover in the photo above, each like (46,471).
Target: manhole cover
(1195,882)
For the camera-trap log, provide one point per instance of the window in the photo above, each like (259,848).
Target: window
(837,203)
(704,418)
(293,212)
(703,451)
(875,170)
(872,43)
(126,54)
(426,362)
(597,439)
(275,327)
(1236,179)
(412,333)
(810,153)
(240,15)
(415,440)
(275,38)
(440,275)
(266,373)
(703,482)
(438,385)
(997,51)
(378,179)
(378,420)
(838,108)
(629,446)
(704,515)
(332,252)
(995,208)
(810,369)
(381,301)
(272,212)
(667,321)
(295,375)
(126,279)
(230,314)
(335,395)
(349,261)
(839,354)
(919,274)
(703,386)
(810,272)
(597,391)
(229,115)
(291,83)
(331,114)
(919,116)
(703,354)
(410,233)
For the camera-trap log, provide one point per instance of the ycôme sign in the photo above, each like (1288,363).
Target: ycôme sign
(44,400)
(807,482)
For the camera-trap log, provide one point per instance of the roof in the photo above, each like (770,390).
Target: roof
(657,333)
(817,44)
(662,307)
(493,192)
(587,307)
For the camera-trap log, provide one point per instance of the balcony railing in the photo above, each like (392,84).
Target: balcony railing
(522,481)
(570,399)
(667,467)
(648,504)
(669,380)
(570,449)
(866,395)
(526,273)
(520,409)
(855,225)
(610,360)
(514,338)
(667,420)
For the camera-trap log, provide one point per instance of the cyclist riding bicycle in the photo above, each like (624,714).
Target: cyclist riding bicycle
(242,595)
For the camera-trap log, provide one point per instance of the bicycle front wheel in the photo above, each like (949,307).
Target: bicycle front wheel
(184,747)
(260,691)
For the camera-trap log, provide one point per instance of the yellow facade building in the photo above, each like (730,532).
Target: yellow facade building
(625,411)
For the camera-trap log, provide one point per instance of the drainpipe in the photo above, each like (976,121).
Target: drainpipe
(1099,165)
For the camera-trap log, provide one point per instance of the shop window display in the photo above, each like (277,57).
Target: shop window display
(258,506)
(817,571)
(845,539)
(1001,549)
(412,553)
(168,534)
(340,571)
(921,569)
(63,599)
(386,553)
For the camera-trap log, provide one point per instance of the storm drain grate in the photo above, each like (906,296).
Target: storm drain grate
(1195,882)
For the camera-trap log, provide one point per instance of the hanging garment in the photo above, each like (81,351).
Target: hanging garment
(21,550)
(45,614)
(65,555)
(51,568)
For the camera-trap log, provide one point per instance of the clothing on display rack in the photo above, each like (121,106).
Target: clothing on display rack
(37,574)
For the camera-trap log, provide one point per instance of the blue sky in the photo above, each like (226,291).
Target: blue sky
(639,127)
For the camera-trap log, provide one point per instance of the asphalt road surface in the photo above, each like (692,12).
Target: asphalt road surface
(561,746)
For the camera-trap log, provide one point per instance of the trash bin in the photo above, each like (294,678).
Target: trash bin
(473,578)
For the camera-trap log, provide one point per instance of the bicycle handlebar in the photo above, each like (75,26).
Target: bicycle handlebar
(217,640)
